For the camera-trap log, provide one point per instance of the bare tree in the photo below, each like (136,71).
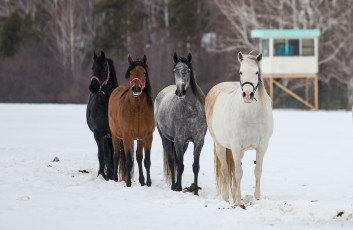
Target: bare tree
(333,18)
(70,31)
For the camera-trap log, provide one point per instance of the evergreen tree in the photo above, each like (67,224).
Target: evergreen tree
(121,19)
(184,20)
(11,34)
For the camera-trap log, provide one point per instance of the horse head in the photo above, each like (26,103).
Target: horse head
(182,73)
(101,74)
(137,74)
(250,75)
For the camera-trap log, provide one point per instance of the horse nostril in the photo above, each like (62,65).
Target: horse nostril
(244,94)
(184,91)
(251,94)
(133,89)
(139,89)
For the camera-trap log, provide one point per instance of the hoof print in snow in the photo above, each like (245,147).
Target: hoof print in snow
(339,214)
(49,166)
(248,200)
(56,159)
(242,206)
(314,201)
(24,198)
(83,171)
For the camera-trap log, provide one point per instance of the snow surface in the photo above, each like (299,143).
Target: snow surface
(306,182)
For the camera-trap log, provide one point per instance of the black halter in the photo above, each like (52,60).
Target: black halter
(250,83)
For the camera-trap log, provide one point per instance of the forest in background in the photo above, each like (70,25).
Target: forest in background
(46,47)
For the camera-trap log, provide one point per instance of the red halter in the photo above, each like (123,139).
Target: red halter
(101,84)
(138,79)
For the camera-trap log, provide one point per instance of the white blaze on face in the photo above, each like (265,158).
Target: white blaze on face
(182,76)
(179,82)
(249,73)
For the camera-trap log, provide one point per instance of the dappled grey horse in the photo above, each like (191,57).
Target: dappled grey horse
(180,118)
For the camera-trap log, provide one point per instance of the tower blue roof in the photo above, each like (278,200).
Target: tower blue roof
(285,33)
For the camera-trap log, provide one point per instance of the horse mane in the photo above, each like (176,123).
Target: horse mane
(148,88)
(196,90)
(262,90)
(112,72)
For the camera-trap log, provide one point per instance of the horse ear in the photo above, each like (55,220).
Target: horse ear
(189,57)
(144,59)
(259,57)
(240,56)
(130,60)
(94,55)
(175,57)
(102,54)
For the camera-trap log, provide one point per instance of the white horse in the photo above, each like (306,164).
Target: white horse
(239,117)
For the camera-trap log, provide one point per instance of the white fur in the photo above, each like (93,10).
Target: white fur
(241,126)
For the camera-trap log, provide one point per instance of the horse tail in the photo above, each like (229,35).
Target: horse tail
(123,172)
(167,170)
(221,186)
(231,169)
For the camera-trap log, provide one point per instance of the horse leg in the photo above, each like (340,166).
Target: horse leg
(100,155)
(168,148)
(129,163)
(139,156)
(196,165)
(147,141)
(179,149)
(116,157)
(234,186)
(237,156)
(185,147)
(111,148)
(222,156)
(106,143)
(260,153)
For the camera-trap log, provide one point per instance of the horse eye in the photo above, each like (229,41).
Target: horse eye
(257,73)
(240,73)
(144,73)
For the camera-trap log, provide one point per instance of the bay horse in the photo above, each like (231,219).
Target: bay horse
(180,118)
(239,117)
(102,85)
(131,118)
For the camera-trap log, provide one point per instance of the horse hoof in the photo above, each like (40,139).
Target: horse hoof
(103,175)
(110,176)
(149,183)
(142,182)
(173,187)
(128,184)
(178,189)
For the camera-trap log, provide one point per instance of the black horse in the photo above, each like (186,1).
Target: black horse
(103,82)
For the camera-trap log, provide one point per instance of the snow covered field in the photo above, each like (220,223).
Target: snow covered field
(307,177)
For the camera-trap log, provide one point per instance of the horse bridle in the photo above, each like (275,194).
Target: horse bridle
(138,79)
(250,83)
(101,84)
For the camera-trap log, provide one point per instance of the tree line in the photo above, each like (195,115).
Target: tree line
(46,47)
